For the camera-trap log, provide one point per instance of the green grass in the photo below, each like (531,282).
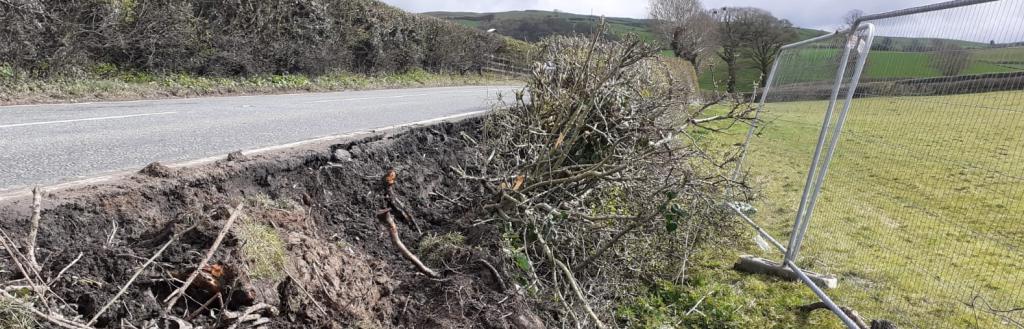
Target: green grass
(133,85)
(730,300)
(881,65)
(920,211)
(263,250)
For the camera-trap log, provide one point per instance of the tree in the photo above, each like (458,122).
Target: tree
(686,27)
(731,36)
(950,59)
(765,35)
(852,16)
(753,32)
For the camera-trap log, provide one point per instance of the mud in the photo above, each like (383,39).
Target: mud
(308,242)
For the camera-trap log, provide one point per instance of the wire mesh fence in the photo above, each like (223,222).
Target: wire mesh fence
(920,214)
(800,103)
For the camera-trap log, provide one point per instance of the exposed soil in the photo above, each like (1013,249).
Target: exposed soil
(340,268)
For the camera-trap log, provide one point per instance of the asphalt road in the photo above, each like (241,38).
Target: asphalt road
(51,144)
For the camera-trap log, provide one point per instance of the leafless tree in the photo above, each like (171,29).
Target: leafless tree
(732,37)
(765,35)
(852,16)
(687,28)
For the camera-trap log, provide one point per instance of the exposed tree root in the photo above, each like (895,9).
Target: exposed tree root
(385,216)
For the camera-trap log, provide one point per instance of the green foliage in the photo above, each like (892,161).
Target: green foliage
(6,72)
(265,201)
(231,38)
(715,296)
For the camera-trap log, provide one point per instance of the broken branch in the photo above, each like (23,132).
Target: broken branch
(65,269)
(37,200)
(173,297)
(132,280)
(385,216)
(569,277)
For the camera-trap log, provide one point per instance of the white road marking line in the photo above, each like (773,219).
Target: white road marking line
(366,98)
(16,192)
(400,96)
(86,119)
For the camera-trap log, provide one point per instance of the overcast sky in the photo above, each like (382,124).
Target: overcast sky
(820,14)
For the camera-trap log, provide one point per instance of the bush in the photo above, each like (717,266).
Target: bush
(41,38)
(591,176)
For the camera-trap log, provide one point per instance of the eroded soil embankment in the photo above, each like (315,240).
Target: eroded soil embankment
(308,241)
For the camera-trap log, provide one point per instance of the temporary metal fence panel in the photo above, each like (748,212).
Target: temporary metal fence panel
(799,104)
(914,194)
(921,215)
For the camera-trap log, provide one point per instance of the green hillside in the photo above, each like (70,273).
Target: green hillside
(563,23)
(882,65)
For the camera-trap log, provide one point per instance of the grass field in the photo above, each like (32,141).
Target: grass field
(883,65)
(920,215)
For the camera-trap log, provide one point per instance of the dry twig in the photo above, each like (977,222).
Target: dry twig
(173,297)
(37,200)
(132,279)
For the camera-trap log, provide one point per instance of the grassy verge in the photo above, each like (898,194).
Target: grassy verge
(916,217)
(715,296)
(126,86)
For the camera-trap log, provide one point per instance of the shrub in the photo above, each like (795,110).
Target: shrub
(591,176)
(57,37)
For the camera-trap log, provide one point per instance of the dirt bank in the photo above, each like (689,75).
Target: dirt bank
(306,241)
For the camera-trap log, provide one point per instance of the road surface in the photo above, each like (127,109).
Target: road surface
(51,144)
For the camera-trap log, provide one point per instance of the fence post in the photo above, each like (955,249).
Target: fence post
(836,85)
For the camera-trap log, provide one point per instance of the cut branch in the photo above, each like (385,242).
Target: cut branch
(385,216)
(608,245)
(37,200)
(569,277)
(394,203)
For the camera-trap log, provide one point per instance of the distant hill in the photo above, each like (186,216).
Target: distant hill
(532,25)
(527,24)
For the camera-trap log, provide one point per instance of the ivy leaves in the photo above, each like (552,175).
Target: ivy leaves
(673,212)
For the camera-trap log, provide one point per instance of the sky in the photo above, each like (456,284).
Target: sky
(819,14)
